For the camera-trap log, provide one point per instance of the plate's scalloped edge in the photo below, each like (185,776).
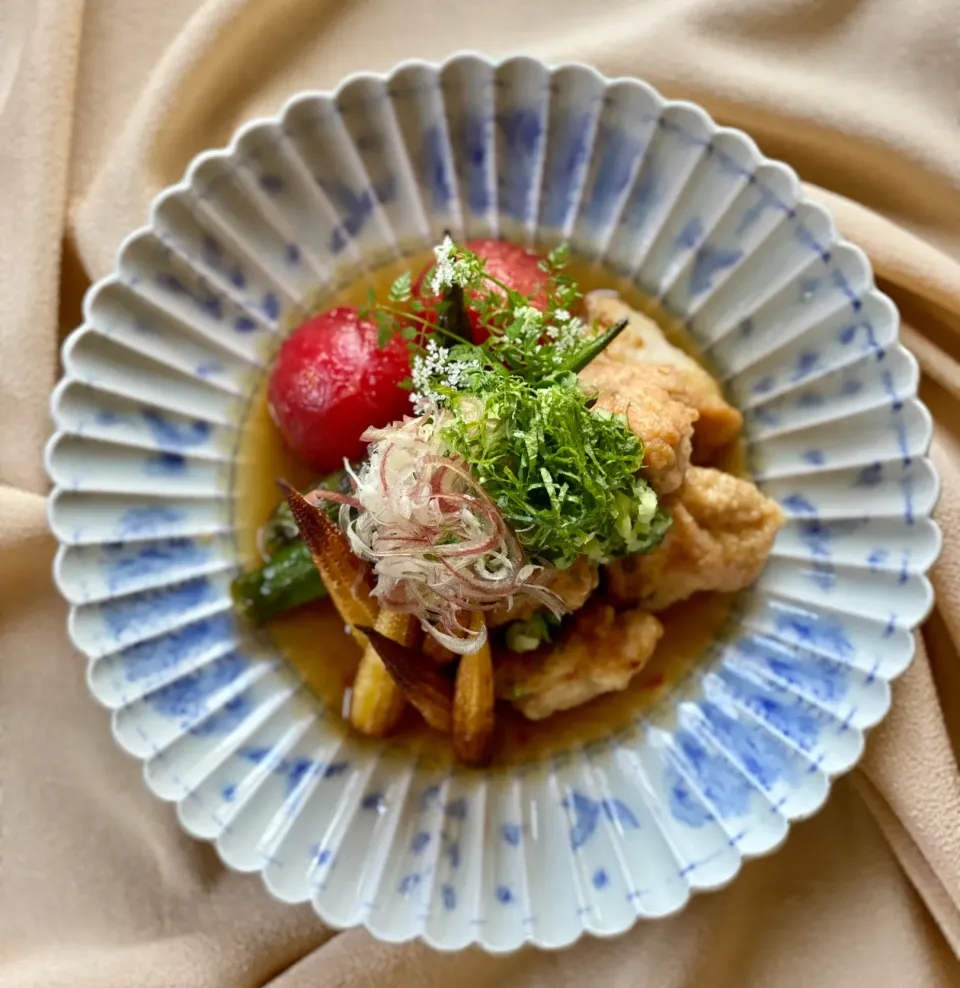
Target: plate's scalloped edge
(278,119)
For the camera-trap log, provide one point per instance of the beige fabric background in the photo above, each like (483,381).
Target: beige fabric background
(102,103)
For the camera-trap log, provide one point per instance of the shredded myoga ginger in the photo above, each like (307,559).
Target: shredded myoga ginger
(439,546)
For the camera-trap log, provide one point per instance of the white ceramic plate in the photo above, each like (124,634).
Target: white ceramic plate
(174,343)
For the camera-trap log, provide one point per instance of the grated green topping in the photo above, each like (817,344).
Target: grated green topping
(565,478)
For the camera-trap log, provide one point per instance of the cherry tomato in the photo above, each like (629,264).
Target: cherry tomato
(331,381)
(510,264)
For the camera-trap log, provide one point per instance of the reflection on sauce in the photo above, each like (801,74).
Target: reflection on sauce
(313,639)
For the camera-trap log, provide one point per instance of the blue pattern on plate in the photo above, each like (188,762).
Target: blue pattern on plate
(764,385)
(165,465)
(761,755)
(852,386)
(798,504)
(148,520)
(708,262)
(521,132)
(295,769)
(816,536)
(156,657)
(232,714)
(166,431)
(876,558)
(823,679)
(566,164)
(722,785)
(618,154)
(809,399)
(787,715)
(187,699)
(355,207)
(125,563)
(871,476)
(505,895)
(214,257)
(751,215)
(145,610)
(685,805)
(435,166)
(456,809)
(806,363)
(690,235)
(474,130)
(419,842)
(208,302)
(408,884)
(273,184)
(642,198)
(587,812)
(270,305)
(373,801)
(321,855)
(210,367)
(817,631)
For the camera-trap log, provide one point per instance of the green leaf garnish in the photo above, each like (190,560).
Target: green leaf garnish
(400,290)
(529,635)
(565,479)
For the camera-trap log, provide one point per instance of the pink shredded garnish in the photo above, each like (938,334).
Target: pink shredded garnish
(319,495)
(438,543)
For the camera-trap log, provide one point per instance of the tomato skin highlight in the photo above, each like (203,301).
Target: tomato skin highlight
(331,381)
(514,266)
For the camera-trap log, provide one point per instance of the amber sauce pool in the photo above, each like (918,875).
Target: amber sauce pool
(312,639)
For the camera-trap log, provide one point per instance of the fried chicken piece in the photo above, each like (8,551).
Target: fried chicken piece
(572,585)
(600,653)
(723,530)
(641,392)
(643,341)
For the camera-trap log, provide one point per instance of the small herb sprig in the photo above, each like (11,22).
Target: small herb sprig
(539,345)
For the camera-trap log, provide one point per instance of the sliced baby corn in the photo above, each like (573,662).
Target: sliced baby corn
(344,574)
(436,652)
(422,684)
(377,703)
(473,703)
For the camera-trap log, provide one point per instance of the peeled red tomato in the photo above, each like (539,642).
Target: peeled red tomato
(331,381)
(510,264)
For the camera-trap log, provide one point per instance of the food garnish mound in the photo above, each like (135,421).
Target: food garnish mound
(516,502)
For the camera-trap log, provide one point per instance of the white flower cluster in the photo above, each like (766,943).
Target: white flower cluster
(565,331)
(449,271)
(531,322)
(435,367)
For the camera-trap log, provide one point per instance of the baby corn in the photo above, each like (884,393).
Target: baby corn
(377,701)
(344,574)
(473,703)
(424,686)
(436,652)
